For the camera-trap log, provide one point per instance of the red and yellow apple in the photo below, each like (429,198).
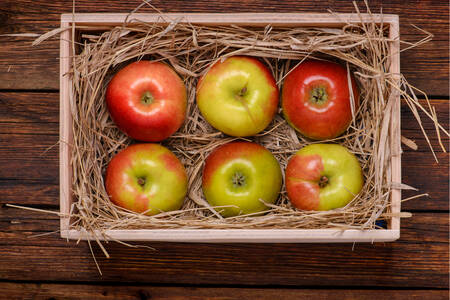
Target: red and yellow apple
(242,176)
(238,96)
(147,100)
(323,177)
(316,99)
(146,178)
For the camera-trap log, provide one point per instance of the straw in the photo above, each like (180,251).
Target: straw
(191,49)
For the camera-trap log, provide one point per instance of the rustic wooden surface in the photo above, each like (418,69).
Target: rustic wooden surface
(46,267)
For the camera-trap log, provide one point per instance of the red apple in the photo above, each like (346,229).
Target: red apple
(238,96)
(316,99)
(241,175)
(323,177)
(147,100)
(146,178)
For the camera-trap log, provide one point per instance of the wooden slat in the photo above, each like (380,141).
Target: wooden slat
(112,292)
(29,108)
(37,68)
(418,260)
(411,128)
(422,172)
(30,192)
(34,128)
(29,113)
(25,157)
(240,19)
(65,127)
(21,223)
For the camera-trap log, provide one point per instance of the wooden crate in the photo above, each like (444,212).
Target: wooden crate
(227,235)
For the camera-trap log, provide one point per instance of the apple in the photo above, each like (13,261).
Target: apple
(238,96)
(147,100)
(146,178)
(323,177)
(241,175)
(316,99)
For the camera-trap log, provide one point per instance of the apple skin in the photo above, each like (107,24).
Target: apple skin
(147,100)
(241,173)
(238,96)
(146,177)
(311,165)
(327,117)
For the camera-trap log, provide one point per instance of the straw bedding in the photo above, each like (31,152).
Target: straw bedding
(191,49)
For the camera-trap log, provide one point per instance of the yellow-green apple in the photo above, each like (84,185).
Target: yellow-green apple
(241,175)
(146,178)
(323,177)
(147,100)
(238,96)
(316,99)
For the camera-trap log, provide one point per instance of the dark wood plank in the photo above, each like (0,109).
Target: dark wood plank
(29,108)
(30,192)
(29,67)
(29,157)
(26,222)
(418,260)
(94,292)
(29,113)
(34,128)
(37,68)
(29,148)
(411,129)
(434,182)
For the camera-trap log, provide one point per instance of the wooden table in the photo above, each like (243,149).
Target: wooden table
(415,267)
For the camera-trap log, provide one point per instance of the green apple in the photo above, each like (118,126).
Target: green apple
(146,178)
(323,177)
(241,175)
(238,96)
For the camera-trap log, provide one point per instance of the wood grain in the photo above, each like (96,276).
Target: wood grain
(29,113)
(30,192)
(28,157)
(411,128)
(418,260)
(419,170)
(37,68)
(415,267)
(146,292)
(29,108)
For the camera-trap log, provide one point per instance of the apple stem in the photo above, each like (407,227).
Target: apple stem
(239,96)
(243,91)
(147,98)
(323,181)
(318,95)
